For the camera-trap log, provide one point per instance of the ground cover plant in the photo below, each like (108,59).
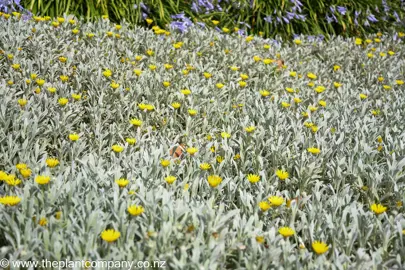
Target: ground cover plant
(299,166)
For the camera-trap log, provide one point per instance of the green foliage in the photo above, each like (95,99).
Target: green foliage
(232,13)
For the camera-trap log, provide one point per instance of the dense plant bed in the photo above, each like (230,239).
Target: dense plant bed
(198,149)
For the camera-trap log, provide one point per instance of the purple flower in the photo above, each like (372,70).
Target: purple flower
(341,10)
(366,23)
(286,20)
(290,15)
(396,16)
(241,32)
(300,17)
(332,9)
(201,24)
(267,19)
(372,18)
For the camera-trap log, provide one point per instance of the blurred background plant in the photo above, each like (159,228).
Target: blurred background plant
(263,17)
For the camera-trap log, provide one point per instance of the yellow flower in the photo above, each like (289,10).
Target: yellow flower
(250,129)
(244,76)
(220,159)
(26,172)
(11,180)
(380,79)
(319,247)
(377,40)
(152,67)
(149,21)
(214,180)
(336,68)
(170,179)
(358,41)
(192,150)
(114,85)
(15,66)
(282,175)
(219,85)
(62,59)
(322,103)
(264,93)
(311,76)
(22,102)
(285,104)
(75,31)
(205,166)
(234,68)
(297,100)
(320,89)
(166,84)
(314,129)
(268,61)
(264,206)
(207,75)
(10,200)
(382,54)
(130,141)
(399,82)
(55,24)
(363,96)
(58,214)
(215,22)
(242,83)
(136,122)
(370,55)
(117,148)
(107,73)
(21,166)
(286,231)
(297,41)
(168,66)
(313,150)
(52,90)
(118,27)
(289,90)
(122,182)
(150,107)
(74,137)
(110,235)
(337,85)
(260,239)
(293,73)
(64,78)
(236,157)
(249,38)
(136,210)
(186,92)
(311,84)
(43,221)
(387,87)
(165,162)
(276,201)
(52,162)
(379,139)
(378,208)
(40,82)
(42,179)
(266,46)
(137,72)
(63,101)
(225,135)
(253,178)
(256,58)
(192,112)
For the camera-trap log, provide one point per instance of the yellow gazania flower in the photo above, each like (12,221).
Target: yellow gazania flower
(276,201)
(152,67)
(75,31)
(253,178)
(165,162)
(249,38)
(268,61)
(382,54)
(117,148)
(286,231)
(297,100)
(260,239)
(22,102)
(297,41)
(312,76)
(21,166)
(375,112)
(138,72)
(314,150)
(118,27)
(10,200)
(320,89)
(220,159)
(149,21)
(293,73)
(40,82)
(122,182)
(236,157)
(170,179)
(379,139)
(368,41)
(358,41)
(26,172)
(250,129)
(114,85)
(76,96)
(110,235)
(55,24)
(377,40)
(336,68)
(311,84)
(136,122)
(43,221)
(399,82)
(289,90)
(314,129)
(42,179)
(370,55)
(304,114)
(266,46)
(168,66)
(205,166)
(225,135)
(242,83)
(166,84)
(282,175)
(234,68)
(62,59)
(337,85)
(52,162)
(219,85)
(136,210)
(15,66)
(176,105)
(264,206)
(285,104)
(264,93)
(74,137)
(150,52)
(363,96)
(186,92)
(11,180)
(401,34)
(192,150)
(378,208)
(63,101)
(58,215)
(107,73)
(256,58)
(130,141)
(214,180)
(207,75)
(150,107)
(52,90)
(322,103)
(387,87)
(244,76)
(215,22)
(319,247)
(380,79)
(192,112)
(64,78)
